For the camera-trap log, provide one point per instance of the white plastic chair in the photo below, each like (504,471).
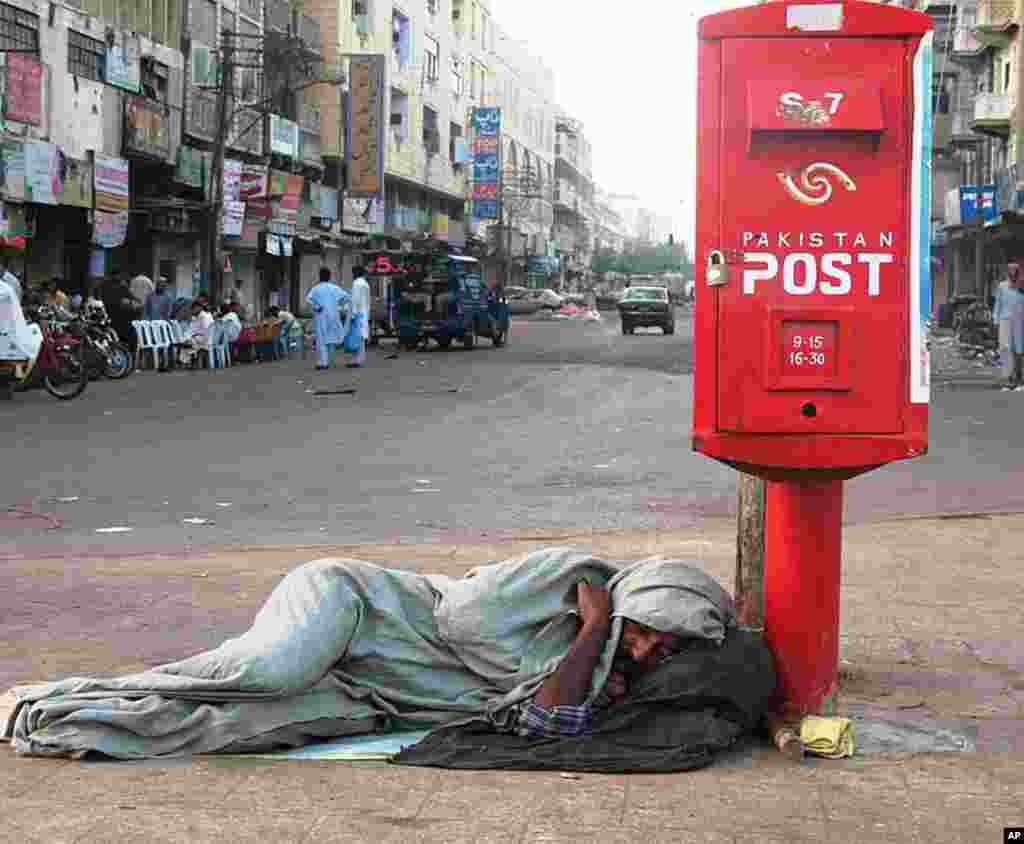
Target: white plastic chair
(145,341)
(177,338)
(163,338)
(220,350)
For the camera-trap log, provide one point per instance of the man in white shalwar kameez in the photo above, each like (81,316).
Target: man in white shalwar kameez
(328,300)
(361,308)
(1008,314)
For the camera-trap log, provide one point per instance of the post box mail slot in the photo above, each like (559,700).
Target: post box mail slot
(813,150)
(838,104)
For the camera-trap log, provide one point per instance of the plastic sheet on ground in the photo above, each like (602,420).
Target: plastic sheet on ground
(377,747)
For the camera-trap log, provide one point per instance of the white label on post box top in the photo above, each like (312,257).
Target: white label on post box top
(826,17)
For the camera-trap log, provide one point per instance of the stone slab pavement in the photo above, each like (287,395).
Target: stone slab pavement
(933,638)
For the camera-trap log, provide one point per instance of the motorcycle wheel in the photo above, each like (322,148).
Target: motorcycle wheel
(70,377)
(119,362)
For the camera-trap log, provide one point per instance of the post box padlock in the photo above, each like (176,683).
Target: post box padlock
(717,271)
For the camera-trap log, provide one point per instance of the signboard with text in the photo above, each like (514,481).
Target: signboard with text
(110,183)
(23,89)
(284,136)
(486,148)
(364,126)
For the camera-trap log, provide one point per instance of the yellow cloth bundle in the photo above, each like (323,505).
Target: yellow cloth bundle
(828,737)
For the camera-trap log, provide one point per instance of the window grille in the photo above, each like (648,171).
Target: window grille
(87,57)
(19,31)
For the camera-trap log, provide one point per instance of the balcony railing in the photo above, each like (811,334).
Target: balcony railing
(992,113)
(247,133)
(147,128)
(1009,189)
(965,40)
(565,238)
(996,22)
(309,120)
(996,14)
(201,114)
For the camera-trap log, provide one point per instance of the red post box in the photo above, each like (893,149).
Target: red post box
(813,210)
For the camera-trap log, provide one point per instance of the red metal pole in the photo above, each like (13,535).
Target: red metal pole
(803,548)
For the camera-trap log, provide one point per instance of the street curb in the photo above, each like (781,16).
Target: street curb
(556,538)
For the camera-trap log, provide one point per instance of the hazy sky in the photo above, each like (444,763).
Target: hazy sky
(628,71)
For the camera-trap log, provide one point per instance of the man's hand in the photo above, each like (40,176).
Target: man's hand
(616,686)
(570,683)
(595,605)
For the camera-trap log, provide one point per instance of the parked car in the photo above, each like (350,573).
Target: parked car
(608,301)
(520,302)
(641,307)
(547,299)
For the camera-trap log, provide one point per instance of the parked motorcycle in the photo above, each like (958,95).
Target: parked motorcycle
(105,354)
(59,365)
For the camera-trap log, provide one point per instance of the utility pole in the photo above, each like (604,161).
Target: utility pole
(215,265)
(750,551)
(504,229)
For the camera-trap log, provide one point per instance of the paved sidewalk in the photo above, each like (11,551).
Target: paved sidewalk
(933,637)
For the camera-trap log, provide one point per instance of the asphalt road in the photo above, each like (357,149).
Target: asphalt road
(571,426)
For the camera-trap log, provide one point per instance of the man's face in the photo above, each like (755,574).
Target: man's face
(642,647)
(1013,273)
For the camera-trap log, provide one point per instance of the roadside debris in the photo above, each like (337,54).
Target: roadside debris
(115,529)
(195,520)
(344,391)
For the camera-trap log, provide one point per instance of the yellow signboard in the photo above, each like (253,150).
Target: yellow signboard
(364,139)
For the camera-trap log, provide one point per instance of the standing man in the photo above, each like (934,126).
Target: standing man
(1008,314)
(238,297)
(122,308)
(159,303)
(10,278)
(361,309)
(327,300)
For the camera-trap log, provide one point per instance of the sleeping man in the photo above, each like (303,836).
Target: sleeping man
(533,646)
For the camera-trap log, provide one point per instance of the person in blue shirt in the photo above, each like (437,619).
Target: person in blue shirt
(160,303)
(328,300)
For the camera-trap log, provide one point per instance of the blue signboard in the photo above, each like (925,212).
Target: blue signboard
(485,209)
(486,123)
(978,204)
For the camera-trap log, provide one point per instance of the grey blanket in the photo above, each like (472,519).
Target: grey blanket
(344,646)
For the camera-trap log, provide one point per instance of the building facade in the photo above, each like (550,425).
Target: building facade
(442,60)
(976,149)
(92,108)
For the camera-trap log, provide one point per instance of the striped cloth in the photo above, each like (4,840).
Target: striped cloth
(536,721)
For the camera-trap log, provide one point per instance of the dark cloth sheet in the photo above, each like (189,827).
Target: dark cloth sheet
(695,705)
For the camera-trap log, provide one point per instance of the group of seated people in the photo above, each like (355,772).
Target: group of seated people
(257,341)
